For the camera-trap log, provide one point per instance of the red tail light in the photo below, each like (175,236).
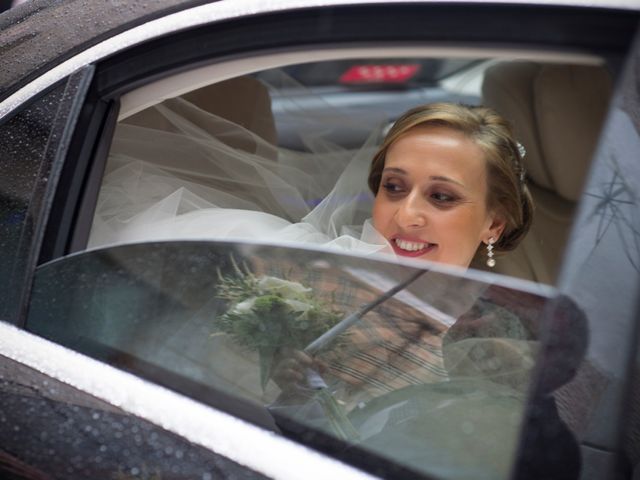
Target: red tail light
(379,73)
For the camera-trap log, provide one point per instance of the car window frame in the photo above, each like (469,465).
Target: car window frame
(45,184)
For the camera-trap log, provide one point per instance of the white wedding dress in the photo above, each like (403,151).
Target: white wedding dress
(191,175)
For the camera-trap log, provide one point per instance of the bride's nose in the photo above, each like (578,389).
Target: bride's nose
(411,212)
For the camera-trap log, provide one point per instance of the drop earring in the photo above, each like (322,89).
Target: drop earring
(491,262)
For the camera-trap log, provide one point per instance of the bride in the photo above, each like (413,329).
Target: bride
(447,183)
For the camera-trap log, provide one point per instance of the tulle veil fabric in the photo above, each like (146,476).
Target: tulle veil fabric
(188,173)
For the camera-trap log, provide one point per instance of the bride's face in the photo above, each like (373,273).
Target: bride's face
(432,199)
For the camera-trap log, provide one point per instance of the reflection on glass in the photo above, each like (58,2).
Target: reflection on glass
(432,375)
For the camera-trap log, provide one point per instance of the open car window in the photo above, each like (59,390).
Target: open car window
(425,365)
(282,154)
(203,162)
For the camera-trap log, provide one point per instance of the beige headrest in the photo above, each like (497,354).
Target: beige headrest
(244,101)
(556,112)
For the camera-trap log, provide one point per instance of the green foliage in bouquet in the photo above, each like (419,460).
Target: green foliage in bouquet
(268,315)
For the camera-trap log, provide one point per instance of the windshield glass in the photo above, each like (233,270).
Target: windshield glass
(424,369)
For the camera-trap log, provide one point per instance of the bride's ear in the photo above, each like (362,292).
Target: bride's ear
(497,226)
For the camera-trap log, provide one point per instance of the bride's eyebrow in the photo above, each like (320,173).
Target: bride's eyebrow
(394,170)
(434,178)
(438,178)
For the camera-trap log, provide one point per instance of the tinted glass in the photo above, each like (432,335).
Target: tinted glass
(429,370)
(29,142)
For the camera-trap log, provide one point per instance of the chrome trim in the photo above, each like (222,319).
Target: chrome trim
(260,450)
(218,11)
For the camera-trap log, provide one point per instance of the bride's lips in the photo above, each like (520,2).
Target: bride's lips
(410,247)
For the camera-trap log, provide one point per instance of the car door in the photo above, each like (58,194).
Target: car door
(72,203)
(600,273)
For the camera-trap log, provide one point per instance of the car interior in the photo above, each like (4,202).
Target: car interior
(541,101)
(539,98)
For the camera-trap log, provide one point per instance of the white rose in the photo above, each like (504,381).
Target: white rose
(283,287)
(298,306)
(244,306)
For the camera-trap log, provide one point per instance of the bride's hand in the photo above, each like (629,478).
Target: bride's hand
(290,371)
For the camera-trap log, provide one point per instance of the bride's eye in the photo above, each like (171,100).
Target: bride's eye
(444,198)
(392,187)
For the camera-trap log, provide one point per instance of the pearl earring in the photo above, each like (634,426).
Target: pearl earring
(491,262)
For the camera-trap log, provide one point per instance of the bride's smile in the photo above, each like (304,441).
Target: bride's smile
(410,247)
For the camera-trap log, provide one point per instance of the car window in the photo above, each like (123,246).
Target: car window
(270,154)
(30,141)
(425,365)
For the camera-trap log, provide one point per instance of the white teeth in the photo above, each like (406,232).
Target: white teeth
(409,246)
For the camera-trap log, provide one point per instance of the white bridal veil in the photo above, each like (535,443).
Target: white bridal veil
(183,169)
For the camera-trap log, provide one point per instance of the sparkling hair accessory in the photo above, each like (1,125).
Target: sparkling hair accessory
(521,150)
(522,174)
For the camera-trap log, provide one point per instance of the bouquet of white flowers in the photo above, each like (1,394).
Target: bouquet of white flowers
(271,315)
(268,315)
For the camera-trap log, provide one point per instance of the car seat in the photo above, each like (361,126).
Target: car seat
(556,111)
(215,126)
(244,101)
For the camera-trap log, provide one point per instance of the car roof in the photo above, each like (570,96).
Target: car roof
(39,34)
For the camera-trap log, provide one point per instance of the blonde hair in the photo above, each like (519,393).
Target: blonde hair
(507,194)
